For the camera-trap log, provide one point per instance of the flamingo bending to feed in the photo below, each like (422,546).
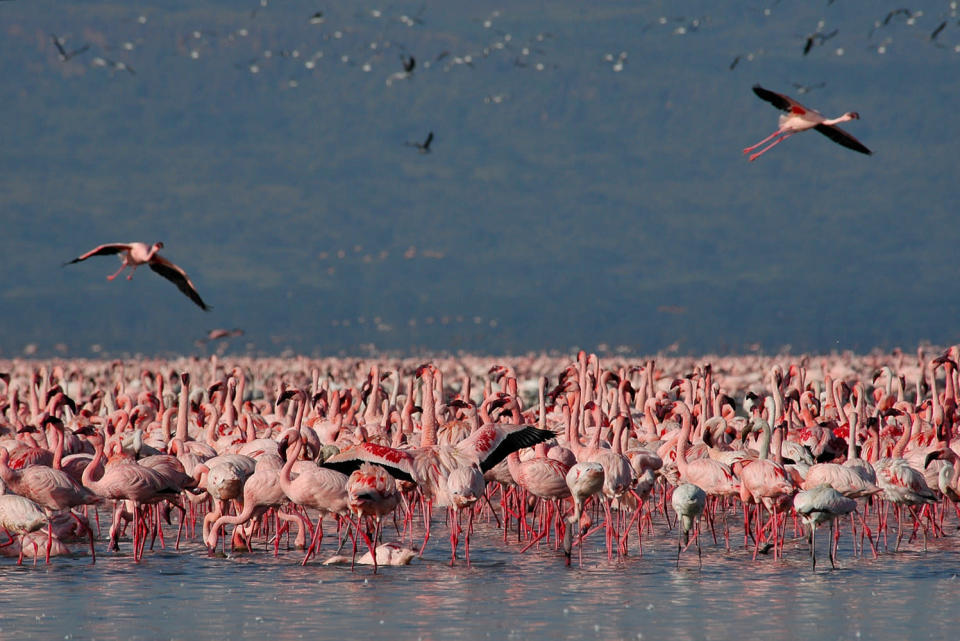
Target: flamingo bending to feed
(584,480)
(688,502)
(136,254)
(19,515)
(799,118)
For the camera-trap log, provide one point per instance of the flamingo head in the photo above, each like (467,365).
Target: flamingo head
(158,244)
(852,115)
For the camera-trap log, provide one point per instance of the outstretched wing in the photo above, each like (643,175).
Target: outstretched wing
(56,42)
(839,136)
(493,443)
(778,100)
(178,277)
(398,462)
(102,250)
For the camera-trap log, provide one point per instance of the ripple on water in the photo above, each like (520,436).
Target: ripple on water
(189,595)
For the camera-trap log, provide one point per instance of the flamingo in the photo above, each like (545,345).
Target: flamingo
(54,490)
(688,502)
(799,118)
(423,147)
(314,487)
(764,481)
(130,482)
(583,480)
(136,254)
(371,491)
(819,505)
(261,492)
(19,515)
(465,486)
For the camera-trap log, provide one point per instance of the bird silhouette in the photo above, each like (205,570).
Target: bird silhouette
(64,55)
(423,147)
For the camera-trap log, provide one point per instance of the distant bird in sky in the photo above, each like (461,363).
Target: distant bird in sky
(424,146)
(316,18)
(64,55)
(936,32)
(116,65)
(799,118)
(802,88)
(136,254)
(215,334)
(817,38)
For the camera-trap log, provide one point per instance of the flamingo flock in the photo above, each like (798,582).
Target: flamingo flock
(561,455)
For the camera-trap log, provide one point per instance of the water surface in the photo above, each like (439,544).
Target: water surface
(187,594)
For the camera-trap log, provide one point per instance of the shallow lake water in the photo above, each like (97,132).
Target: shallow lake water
(187,594)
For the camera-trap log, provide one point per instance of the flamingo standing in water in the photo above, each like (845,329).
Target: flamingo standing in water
(465,486)
(136,254)
(688,502)
(799,118)
(819,505)
(19,515)
(314,487)
(54,490)
(584,480)
(371,491)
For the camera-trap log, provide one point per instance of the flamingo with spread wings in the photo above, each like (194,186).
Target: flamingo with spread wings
(136,254)
(799,118)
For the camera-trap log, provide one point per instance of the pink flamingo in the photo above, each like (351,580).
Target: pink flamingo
(765,482)
(465,486)
(261,492)
(19,515)
(371,492)
(136,254)
(314,487)
(583,480)
(799,118)
(713,477)
(126,481)
(54,490)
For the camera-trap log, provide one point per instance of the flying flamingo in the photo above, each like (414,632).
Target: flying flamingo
(136,254)
(799,118)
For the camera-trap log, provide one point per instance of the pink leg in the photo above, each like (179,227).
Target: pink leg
(770,137)
(117,273)
(769,147)
(466,540)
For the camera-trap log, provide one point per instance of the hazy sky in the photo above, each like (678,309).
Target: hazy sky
(585,185)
